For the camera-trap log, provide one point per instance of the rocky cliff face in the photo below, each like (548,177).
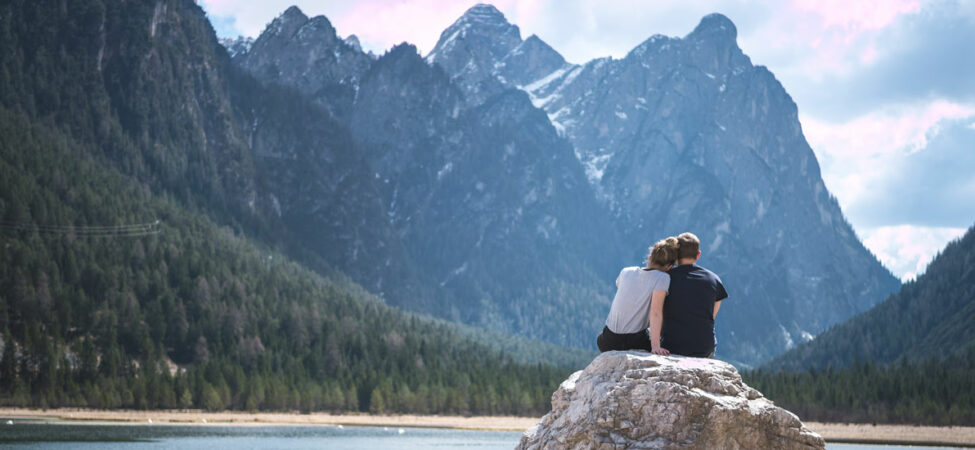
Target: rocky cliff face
(638,400)
(312,179)
(483,198)
(306,53)
(494,209)
(519,184)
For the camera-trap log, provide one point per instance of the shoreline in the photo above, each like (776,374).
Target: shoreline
(890,434)
(190,417)
(851,433)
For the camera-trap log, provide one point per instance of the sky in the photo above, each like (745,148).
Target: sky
(885,88)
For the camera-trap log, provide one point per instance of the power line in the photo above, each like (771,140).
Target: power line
(125,230)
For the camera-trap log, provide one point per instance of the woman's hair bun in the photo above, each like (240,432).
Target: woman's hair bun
(664,252)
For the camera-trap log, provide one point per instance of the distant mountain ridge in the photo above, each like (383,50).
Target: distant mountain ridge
(930,318)
(683,134)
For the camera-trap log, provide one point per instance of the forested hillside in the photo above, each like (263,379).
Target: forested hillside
(170,230)
(189,314)
(146,89)
(935,392)
(910,359)
(929,318)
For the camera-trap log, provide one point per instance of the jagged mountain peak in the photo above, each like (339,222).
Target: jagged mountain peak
(484,13)
(353,41)
(294,22)
(537,49)
(714,31)
(535,42)
(320,22)
(471,49)
(715,26)
(482,22)
(528,61)
(293,11)
(294,25)
(310,55)
(237,46)
(289,21)
(481,19)
(712,47)
(404,63)
(652,42)
(402,51)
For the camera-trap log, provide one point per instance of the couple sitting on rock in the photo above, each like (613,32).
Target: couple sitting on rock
(678,304)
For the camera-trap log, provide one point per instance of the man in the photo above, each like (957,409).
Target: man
(691,305)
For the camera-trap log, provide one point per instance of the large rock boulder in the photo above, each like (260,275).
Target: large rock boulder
(639,400)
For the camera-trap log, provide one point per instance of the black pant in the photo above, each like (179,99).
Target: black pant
(609,341)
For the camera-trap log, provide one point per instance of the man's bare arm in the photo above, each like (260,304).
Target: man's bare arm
(717,306)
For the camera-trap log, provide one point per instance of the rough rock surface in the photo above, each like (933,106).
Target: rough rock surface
(638,400)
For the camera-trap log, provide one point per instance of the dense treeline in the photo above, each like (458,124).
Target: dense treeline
(933,393)
(929,317)
(199,316)
(910,359)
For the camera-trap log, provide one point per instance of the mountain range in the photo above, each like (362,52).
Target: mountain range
(517,184)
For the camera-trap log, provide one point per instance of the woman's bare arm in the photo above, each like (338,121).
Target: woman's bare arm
(657,321)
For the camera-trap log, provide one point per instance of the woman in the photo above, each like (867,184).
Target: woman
(639,303)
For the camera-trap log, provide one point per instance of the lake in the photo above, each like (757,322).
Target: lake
(40,435)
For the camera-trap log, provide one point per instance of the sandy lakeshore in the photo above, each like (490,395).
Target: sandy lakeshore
(832,432)
(894,434)
(196,417)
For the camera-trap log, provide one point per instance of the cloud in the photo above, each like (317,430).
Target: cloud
(933,187)
(875,163)
(808,40)
(854,17)
(918,57)
(906,249)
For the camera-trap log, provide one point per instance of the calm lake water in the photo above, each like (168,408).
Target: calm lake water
(40,435)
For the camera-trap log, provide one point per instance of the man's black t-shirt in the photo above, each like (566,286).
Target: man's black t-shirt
(688,327)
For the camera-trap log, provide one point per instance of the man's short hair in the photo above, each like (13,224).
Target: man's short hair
(690,245)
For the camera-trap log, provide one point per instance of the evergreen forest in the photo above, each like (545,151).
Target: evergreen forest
(910,359)
(132,275)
